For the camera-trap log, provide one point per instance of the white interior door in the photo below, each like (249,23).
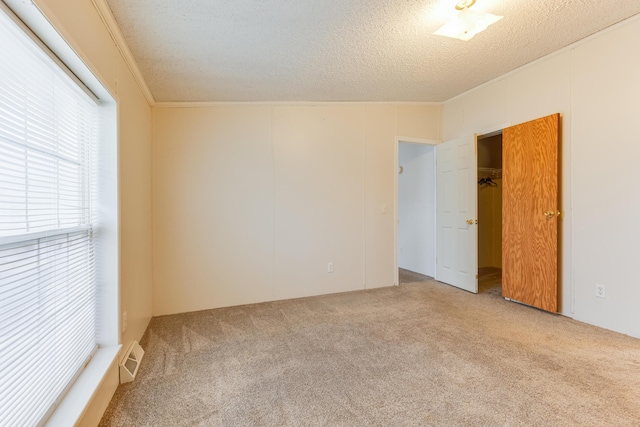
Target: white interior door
(456,214)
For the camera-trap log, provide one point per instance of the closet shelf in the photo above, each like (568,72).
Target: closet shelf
(489,173)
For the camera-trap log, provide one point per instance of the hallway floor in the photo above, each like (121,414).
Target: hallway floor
(408,276)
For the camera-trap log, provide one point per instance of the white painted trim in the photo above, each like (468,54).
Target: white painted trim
(364,200)
(46,25)
(412,140)
(108,230)
(396,218)
(59,45)
(38,20)
(570,47)
(204,104)
(396,273)
(81,394)
(116,34)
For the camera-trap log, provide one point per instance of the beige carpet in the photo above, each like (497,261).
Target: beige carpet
(412,355)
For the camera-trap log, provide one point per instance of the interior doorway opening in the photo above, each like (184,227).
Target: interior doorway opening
(490,213)
(416,212)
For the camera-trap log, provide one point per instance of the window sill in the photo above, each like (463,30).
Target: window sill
(72,407)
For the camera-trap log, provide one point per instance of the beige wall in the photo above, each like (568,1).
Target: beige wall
(134,116)
(252,202)
(379,171)
(594,86)
(81,25)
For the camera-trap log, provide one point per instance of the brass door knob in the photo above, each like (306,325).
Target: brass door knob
(469,221)
(550,214)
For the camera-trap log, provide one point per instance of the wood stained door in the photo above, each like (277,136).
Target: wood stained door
(530,215)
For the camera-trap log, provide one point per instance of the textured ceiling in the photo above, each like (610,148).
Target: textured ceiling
(341,50)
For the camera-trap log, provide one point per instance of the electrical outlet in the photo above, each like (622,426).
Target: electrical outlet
(600,291)
(124,321)
(330,267)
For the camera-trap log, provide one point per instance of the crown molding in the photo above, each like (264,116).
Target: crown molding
(203,104)
(116,34)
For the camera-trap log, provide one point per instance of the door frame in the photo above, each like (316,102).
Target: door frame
(486,133)
(409,140)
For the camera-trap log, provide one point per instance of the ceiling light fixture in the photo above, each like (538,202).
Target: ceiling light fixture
(467,23)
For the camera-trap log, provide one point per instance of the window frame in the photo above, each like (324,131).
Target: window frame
(40,25)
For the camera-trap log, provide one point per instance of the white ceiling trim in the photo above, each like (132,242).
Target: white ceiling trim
(201,104)
(116,34)
(572,46)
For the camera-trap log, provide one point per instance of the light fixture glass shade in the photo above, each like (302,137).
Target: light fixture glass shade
(466,24)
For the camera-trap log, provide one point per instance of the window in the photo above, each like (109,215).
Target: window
(49,129)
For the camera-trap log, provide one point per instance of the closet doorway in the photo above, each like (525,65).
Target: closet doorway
(490,213)
(530,212)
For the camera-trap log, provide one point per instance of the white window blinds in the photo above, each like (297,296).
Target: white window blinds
(48,135)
